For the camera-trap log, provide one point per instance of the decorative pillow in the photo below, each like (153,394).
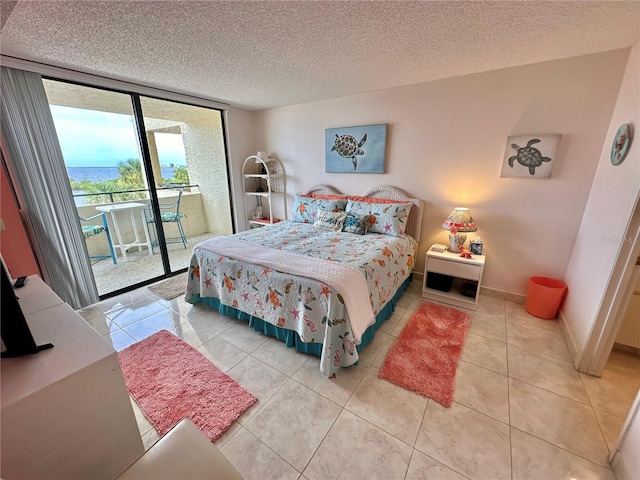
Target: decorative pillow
(357,224)
(325,196)
(359,198)
(305,209)
(330,220)
(387,218)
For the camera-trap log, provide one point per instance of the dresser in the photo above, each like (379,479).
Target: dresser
(66,411)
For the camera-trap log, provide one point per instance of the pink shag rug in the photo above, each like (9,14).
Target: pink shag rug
(170,380)
(425,356)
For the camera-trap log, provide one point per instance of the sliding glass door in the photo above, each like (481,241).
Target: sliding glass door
(135,165)
(194,198)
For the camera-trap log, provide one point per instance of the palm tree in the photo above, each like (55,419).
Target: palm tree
(130,172)
(130,178)
(180,175)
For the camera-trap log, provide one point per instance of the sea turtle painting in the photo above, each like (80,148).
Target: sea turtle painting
(528,156)
(348,147)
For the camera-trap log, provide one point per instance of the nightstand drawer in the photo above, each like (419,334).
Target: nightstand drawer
(455,269)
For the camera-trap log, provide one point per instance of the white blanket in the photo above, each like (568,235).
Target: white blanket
(346,280)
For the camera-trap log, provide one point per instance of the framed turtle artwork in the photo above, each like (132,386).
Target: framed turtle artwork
(355,149)
(530,156)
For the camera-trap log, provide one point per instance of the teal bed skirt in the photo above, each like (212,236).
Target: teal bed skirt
(291,337)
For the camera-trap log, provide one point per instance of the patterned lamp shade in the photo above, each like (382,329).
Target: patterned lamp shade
(461,219)
(458,223)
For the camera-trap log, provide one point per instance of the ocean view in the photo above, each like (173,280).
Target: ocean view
(99,174)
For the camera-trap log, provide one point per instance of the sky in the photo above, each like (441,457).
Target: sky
(89,138)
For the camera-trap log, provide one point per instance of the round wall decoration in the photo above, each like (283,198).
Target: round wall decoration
(621,143)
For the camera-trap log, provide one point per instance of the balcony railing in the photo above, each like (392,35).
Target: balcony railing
(194,223)
(110,195)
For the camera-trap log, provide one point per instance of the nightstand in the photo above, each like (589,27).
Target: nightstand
(445,273)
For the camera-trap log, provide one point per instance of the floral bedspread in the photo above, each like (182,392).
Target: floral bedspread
(313,309)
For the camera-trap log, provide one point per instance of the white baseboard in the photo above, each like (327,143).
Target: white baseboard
(503,295)
(568,338)
(620,468)
(626,348)
(492,292)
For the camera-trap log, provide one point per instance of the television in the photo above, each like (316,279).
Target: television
(14,328)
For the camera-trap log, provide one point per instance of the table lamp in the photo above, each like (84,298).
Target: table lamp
(459,222)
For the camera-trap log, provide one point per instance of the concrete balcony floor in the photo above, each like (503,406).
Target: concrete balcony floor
(140,266)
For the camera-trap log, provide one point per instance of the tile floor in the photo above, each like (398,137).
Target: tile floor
(520,409)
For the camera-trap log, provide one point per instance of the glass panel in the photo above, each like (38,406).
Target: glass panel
(98,137)
(186,146)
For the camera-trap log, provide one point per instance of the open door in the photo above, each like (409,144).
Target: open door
(617,295)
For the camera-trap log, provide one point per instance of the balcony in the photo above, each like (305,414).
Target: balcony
(140,264)
(141,138)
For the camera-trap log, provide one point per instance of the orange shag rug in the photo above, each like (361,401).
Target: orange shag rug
(425,356)
(170,380)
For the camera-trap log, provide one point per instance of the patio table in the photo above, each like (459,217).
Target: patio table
(131,207)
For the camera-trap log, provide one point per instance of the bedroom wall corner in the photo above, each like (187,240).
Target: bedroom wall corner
(446,143)
(607,213)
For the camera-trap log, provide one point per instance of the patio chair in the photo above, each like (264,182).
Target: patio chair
(169,213)
(92,230)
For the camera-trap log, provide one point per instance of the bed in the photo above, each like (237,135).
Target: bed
(322,281)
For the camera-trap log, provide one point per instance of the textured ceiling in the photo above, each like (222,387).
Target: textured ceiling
(262,54)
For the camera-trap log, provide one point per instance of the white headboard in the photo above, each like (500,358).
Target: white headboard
(323,189)
(414,223)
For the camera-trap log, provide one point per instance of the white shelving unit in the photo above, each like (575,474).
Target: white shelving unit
(263,182)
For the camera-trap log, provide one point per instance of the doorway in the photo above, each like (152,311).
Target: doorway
(135,165)
(619,382)
(617,295)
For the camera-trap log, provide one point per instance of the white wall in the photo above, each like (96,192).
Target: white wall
(611,202)
(627,462)
(205,156)
(240,144)
(446,142)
